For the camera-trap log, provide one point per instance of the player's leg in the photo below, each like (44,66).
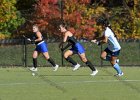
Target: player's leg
(35,55)
(67,55)
(116,65)
(81,51)
(88,63)
(50,60)
(105,56)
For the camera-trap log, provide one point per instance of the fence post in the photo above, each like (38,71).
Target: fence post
(25,53)
(62,59)
(139,50)
(101,59)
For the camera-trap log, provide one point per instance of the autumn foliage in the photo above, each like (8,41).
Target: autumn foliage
(80,16)
(10,18)
(47,14)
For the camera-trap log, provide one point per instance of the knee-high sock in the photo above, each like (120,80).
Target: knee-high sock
(50,60)
(117,68)
(69,59)
(90,65)
(35,62)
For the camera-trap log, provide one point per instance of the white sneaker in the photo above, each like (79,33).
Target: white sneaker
(56,67)
(117,60)
(120,74)
(33,69)
(76,67)
(94,73)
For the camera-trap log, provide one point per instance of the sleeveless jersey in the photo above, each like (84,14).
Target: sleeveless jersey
(72,40)
(113,44)
(35,37)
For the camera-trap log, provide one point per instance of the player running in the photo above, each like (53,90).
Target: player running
(41,47)
(77,48)
(113,49)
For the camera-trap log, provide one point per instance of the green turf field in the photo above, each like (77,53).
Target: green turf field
(19,84)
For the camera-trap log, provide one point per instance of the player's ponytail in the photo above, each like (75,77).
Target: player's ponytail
(113,32)
(107,24)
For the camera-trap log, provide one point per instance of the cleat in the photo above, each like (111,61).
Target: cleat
(120,74)
(55,67)
(33,69)
(76,67)
(94,73)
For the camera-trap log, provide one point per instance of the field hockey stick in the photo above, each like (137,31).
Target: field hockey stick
(89,41)
(26,38)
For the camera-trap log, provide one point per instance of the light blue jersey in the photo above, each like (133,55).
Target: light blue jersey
(113,44)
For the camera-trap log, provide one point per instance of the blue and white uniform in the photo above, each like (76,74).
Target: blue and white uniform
(113,46)
(41,46)
(76,46)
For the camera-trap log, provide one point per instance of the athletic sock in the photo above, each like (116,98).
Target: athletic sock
(35,62)
(90,65)
(117,68)
(50,60)
(69,59)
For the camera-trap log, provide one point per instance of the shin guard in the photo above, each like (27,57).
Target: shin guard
(90,65)
(50,60)
(35,62)
(69,59)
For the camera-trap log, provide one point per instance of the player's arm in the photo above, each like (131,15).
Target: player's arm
(64,40)
(96,38)
(39,38)
(67,45)
(100,40)
(103,40)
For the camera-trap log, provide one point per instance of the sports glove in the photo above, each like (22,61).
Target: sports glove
(98,43)
(33,41)
(28,39)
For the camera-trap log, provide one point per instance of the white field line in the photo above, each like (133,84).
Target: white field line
(18,83)
(100,81)
(67,82)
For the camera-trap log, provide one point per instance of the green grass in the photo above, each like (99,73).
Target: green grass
(19,84)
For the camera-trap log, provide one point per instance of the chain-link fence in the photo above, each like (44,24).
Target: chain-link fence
(17,52)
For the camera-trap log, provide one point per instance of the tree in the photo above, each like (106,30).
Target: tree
(45,14)
(25,4)
(77,14)
(80,15)
(10,18)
